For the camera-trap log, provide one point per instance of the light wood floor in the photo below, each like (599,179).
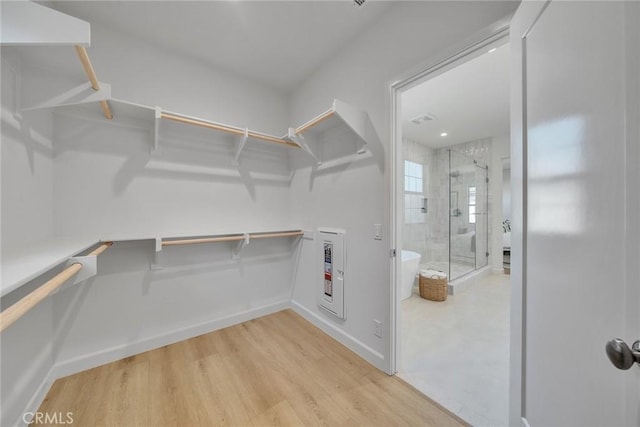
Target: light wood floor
(276,370)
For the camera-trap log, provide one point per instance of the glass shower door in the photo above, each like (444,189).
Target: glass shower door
(468,219)
(462,188)
(482,217)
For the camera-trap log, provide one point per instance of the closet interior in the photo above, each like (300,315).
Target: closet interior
(153,231)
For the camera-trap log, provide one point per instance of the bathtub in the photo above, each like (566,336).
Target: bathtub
(410,264)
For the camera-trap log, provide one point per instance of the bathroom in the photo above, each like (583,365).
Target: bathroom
(455,147)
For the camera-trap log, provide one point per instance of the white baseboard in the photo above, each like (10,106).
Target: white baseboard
(355,345)
(92,360)
(38,397)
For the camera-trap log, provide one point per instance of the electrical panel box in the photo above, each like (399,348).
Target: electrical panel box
(331,254)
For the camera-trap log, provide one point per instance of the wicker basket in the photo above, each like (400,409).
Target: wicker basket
(433,288)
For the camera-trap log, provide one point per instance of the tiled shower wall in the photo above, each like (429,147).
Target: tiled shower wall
(427,233)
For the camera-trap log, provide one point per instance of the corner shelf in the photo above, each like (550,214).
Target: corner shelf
(340,116)
(24,264)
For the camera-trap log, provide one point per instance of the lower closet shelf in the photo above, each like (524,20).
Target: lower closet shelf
(24,264)
(21,265)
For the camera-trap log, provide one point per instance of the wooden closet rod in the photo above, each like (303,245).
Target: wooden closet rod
(322,117)
(93,79)
(234,238)
(269,235)
(20,308)
(203,240)
(228,129)
(103,247)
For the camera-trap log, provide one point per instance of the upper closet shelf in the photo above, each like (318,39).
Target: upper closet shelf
(25,23)
(243,134)
(340,115)
(127,112)
(79,102)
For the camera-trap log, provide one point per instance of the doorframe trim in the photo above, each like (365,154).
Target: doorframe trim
(525,18)
(450,59)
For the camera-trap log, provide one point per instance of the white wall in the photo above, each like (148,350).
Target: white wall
(130,308)
(27,164)
(356,196)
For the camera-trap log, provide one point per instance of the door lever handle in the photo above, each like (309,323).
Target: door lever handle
(621,355)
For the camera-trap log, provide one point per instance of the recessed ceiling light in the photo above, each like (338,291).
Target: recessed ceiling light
(492,50)
(444,134)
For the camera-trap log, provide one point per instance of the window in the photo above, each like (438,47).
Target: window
(413,193)
(472,205)
(412,177)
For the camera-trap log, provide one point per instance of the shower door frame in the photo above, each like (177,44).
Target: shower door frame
(485,214)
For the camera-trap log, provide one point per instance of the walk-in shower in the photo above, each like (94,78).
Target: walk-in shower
(446,207)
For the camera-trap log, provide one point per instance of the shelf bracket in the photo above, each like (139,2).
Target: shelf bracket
(156,264)
(156,129)
(78,95)
(89,270)
(17,93)
(299,139)
(241,143)
(239,246)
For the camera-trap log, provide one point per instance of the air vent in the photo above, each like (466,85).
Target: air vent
(423,118)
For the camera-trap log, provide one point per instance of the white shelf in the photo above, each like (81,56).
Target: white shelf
(93,99)
(155,119)
(26,23)
(126,112)
(341,119)
(186,235)
(341,122)
(21,265)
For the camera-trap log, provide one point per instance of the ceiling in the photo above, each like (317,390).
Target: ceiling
(468,102)
(278,43)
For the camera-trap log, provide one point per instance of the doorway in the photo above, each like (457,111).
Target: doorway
(452,134)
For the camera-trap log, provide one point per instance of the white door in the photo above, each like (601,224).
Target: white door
(576,187)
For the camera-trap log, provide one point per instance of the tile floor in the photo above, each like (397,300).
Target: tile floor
(457,351)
